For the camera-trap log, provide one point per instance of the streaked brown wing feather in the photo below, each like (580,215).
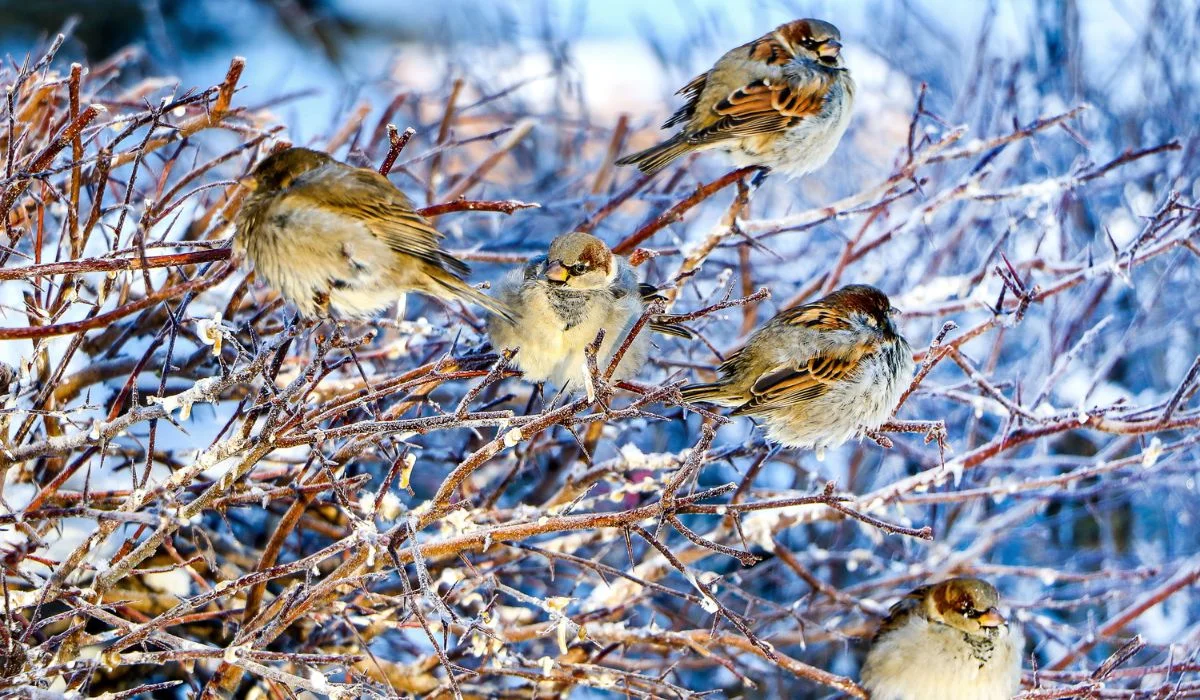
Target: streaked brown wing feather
(790,386)
(815,315)
(662,323)
(691,93)
(769,50)
(663,327)
(386,212)
(902,610)
(762,107)
(649,292)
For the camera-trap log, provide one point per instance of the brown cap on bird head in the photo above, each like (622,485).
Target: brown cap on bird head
(577,255)
(812,38)
(968,604)
(276,171)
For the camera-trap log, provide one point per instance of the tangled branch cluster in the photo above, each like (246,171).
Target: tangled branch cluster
(201,492)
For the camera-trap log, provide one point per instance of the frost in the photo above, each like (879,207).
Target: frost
(204,390)
(176,582)
(706,600)
(390,507)
(459,522)
(589,386)
(211,332)
(319,682)
(1153,451)
(512,437)
(955,468)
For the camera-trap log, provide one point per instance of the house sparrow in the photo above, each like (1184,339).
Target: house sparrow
(562,300)
(781,101)
(332,237)
(819,373)
(946,642)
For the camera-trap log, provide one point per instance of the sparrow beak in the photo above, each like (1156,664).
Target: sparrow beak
(991,618)
(555,272)
(830,49)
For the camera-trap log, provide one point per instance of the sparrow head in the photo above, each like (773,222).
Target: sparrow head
(866,308)
(812,39)
(966,604)
(277,171)
(579,261)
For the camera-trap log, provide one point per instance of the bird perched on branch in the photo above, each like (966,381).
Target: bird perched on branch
(781,101)
(819,373)
(562,300)
(331,237)
(947,641)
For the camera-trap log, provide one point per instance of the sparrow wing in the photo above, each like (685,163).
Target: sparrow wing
(533,267)
(899,614)
(662,323)
(649,292)
(762,107)
(781,387)
(365,195)
(817,315)
(793,384)
(691,93)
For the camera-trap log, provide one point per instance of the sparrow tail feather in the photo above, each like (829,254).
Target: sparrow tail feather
(703,392)
(466,292)
(667,328)
(658,157)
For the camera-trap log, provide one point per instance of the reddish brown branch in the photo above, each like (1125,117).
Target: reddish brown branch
(504,206)
(676,212)
(73,267)
(397,143)
(43,160)
(105,319)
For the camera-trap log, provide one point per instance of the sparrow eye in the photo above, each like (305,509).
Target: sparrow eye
(810,44)
(577,268)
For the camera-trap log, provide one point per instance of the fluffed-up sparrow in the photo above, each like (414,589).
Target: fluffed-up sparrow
(331,237)
(947,641)
(781,101)
(560,303)
(819,373)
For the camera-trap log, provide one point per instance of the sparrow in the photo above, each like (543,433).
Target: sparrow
(947,641)
(331,237)
(781,102)
(817,374)
(561,301)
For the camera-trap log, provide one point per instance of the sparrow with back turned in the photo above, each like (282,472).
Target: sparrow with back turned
(947,641)
(560,303)
(331,237)
(781,101)
(819,373)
